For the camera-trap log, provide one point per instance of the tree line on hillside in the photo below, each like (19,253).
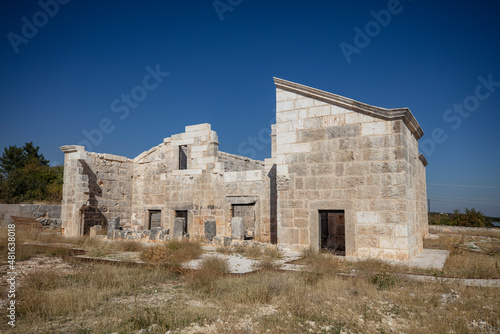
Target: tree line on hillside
(27,177)
(470,218)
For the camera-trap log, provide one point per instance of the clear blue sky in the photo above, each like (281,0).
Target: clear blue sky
(77,69)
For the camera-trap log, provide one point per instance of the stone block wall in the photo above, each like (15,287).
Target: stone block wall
(328,153)
(234,163)
(332,157)
(160,183)
(204,189)
(251,188)
(97,188)
(47,215)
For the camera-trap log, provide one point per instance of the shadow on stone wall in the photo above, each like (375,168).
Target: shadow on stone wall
(273,198)
(90,213)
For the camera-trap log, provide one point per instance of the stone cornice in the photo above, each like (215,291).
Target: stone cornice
(71,148)
(423,159)
(387,114)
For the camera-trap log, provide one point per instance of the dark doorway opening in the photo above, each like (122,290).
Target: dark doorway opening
(332,230)
(247,212)
(183,214)
(154,218)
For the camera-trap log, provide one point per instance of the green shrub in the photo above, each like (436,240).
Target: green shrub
(383,280)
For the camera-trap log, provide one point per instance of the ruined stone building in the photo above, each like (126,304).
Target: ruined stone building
(342,174)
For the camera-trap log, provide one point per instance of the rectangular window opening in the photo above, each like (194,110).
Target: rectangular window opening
(183,157)
(247,212)
(332,231)
(154,218)
(183,214)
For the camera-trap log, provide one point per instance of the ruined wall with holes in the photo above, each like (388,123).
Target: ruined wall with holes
(204,189)
(97,188)
(103,186)
(161,184)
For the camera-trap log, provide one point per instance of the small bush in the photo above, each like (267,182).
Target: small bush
(269,258)
(267,264)
(456,244)
(210,269)
(184,250)
(383,280)
(156,255)
(272,252)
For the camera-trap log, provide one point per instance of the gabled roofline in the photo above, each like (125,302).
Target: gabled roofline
(387,114)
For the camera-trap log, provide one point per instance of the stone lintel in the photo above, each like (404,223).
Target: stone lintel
(242,199)
(112,157)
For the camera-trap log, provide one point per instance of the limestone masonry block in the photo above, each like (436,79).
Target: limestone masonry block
(334,120)
(210,230)
(336,110)
(179,226)
(237,228)
(254,175)
(198,127)
(179,142)
(286,116)
(304,103)
(286,138)
(282,95)
(354,117)
(367,217)
(284,106)
(324,110)
(376,128)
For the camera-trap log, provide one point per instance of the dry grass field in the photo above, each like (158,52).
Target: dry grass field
(58,294)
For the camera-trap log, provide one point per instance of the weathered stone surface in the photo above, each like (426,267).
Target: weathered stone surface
(237,228)
(179,226)
(154,233)
(210,230)
(222,241)
(113,225)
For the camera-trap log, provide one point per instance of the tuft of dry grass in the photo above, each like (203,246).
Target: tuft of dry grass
(462,261)
(320,265)
(472,265)
(172,253)
(209,270)
(269,258)
(156,255)
(99,298)
(45,295)
(129,246)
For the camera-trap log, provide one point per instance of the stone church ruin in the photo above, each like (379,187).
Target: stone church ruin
(343,175)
